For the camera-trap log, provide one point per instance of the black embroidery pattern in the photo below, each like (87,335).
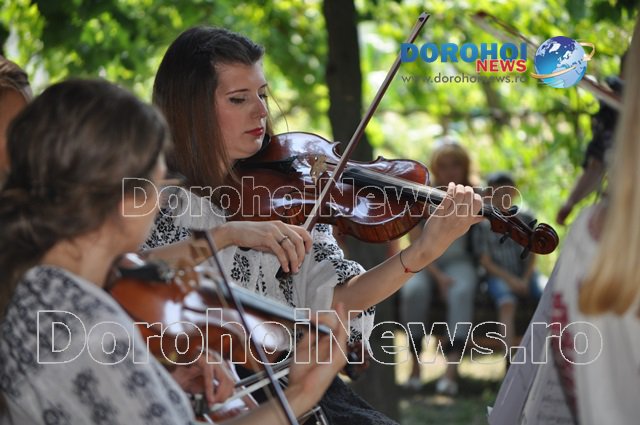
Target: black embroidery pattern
(355,335)
(184,411)
(323,250)
(45,289)
(326,249)
(83,390)
(261,285)
(345,269)
(154,412)
(55,416)
(85,387)
(165,231)
(286,287)
(137,380)
(324,229)
(240,271)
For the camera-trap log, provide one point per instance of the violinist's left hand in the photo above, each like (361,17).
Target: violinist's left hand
(450,220)
(199,377)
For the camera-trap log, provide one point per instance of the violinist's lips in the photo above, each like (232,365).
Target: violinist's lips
(259,131)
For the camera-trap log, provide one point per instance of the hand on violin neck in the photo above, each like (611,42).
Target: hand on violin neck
(287,242)
(451,219)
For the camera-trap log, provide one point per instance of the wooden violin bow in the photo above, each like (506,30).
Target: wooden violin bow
(312,218)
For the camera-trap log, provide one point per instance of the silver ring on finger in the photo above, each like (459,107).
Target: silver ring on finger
(281,241)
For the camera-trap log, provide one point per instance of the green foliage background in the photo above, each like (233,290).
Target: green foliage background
(537,132)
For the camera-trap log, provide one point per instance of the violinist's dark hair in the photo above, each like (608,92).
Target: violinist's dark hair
(69,151)
(184,90)
(12,77)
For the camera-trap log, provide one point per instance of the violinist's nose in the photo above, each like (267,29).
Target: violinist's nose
(261,108)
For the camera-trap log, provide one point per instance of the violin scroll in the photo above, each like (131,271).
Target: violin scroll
(541,239)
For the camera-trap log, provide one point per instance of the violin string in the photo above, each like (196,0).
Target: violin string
(250,389)
(429,193)
(265,305)
(226,289)
(260,380)
(260,375)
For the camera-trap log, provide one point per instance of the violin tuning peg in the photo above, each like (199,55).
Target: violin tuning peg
(524,254)
(513,210)
(533,223)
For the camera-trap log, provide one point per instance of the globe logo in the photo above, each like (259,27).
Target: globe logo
(561,62)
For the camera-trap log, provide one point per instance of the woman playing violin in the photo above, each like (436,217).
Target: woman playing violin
(70,353)
(212,90)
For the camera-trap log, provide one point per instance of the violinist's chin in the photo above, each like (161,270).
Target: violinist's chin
(248,145)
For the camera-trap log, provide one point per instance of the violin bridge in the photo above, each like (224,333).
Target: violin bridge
(319,167)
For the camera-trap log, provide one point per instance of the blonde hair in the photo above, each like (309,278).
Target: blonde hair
(613,285)
(459,154)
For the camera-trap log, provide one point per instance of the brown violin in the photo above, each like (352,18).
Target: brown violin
(373,201)
(179,311)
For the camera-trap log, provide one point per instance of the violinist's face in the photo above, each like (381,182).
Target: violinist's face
(241,108)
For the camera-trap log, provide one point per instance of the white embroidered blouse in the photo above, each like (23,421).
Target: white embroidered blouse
(312,287)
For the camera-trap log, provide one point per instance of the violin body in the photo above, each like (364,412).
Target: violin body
(282,176)
(373,201)
(180,311)
(181,316)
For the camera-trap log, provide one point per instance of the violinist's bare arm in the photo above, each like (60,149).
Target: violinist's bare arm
(287,242)
(442,279)
(450,220)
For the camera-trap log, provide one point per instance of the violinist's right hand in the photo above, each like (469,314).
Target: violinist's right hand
(213,379)
(287,242)
(307,380)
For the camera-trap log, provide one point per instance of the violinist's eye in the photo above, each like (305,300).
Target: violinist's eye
(236,100)
(263,96)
